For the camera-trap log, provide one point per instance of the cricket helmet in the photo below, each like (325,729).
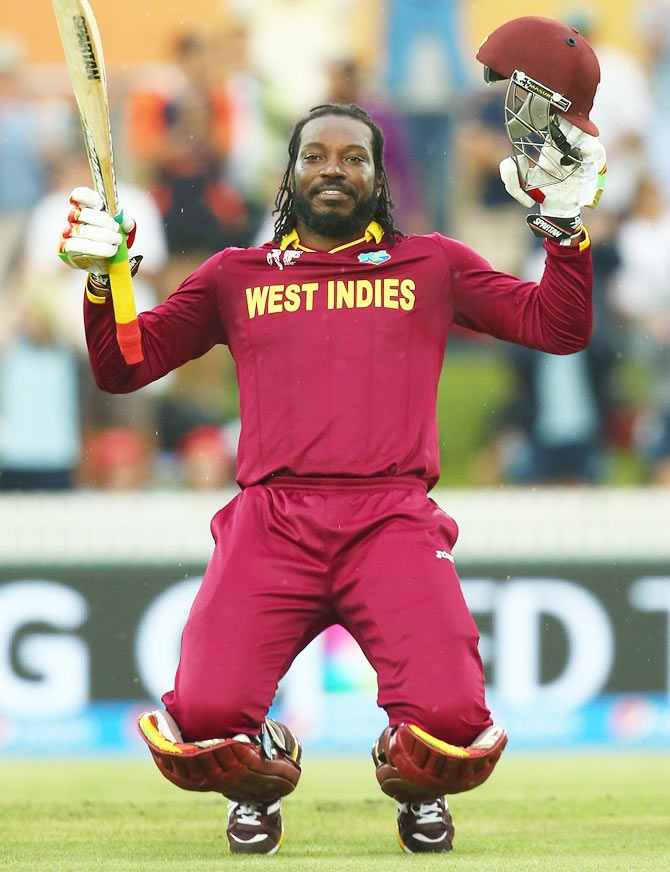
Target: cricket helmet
(553,73)
(550,54)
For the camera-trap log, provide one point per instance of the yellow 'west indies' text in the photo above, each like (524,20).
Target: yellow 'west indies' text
(387,293)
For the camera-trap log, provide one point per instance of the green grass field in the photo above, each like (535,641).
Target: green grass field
(564,814)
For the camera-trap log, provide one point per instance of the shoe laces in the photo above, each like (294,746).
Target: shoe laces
(246,812)
(250,813)
(428,812)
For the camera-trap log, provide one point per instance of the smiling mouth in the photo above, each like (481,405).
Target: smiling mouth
(334,193)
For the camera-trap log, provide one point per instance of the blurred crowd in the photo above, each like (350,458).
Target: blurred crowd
(200,149)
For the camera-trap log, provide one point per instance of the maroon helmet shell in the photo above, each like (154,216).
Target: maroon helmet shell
(553,54)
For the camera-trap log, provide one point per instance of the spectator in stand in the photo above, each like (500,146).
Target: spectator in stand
(654,26)
(291,43)
(184,141)
(22,159)
(641,293)
(427,79)
(117,459)
(553,429)
(624,108)
(255,147)
(206,458)
(39,398)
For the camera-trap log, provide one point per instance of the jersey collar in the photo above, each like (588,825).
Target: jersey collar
(373,231)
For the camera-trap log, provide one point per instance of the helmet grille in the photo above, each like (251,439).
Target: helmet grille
(532,126)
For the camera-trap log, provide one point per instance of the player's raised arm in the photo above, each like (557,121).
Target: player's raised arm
(184,327)
(554,315)
(559,166)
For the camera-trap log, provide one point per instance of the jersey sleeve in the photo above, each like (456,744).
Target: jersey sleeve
(553,315)
(182,328)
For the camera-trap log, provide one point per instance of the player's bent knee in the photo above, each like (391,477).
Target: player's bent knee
(455,722)
(412,765)
(244,768)
(199,717)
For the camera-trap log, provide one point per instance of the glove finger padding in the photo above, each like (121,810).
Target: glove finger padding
(239,768)
(594,169)
(91,235)
(86,254)
(412,765)
(532,183)
(86,198)
(94,218)
(82,197)
(80,233)
(509,173)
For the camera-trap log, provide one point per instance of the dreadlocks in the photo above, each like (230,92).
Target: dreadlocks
(284,200)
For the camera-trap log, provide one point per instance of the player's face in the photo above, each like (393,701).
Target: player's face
(335,189)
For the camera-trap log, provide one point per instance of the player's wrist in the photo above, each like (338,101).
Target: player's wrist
(99,284)
(563,230)
(97,290)
(576,239)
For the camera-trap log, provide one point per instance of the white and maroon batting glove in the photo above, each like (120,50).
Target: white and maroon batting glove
(91,235)
(560,200)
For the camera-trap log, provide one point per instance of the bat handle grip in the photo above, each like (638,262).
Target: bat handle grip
(130,341)
(127,327)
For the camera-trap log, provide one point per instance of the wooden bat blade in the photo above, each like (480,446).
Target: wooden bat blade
(86,65)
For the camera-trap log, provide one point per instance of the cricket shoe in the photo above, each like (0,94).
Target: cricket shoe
(425,827)
(255,828)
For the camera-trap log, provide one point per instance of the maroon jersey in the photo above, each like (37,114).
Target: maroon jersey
(338,354)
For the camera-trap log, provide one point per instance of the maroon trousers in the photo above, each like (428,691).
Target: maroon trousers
(295,556)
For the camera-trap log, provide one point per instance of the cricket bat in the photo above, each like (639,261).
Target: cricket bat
(83,53)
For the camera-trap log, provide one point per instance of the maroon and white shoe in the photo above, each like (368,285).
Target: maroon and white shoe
(254,827)
(425,827)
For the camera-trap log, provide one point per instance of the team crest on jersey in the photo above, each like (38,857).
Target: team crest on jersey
(282,258)
(374,257)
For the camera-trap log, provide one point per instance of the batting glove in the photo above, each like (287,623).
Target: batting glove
(92,235)
(562,199)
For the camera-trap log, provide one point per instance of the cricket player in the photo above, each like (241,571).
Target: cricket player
(338,329)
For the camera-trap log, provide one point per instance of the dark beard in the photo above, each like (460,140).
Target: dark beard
(333,224)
